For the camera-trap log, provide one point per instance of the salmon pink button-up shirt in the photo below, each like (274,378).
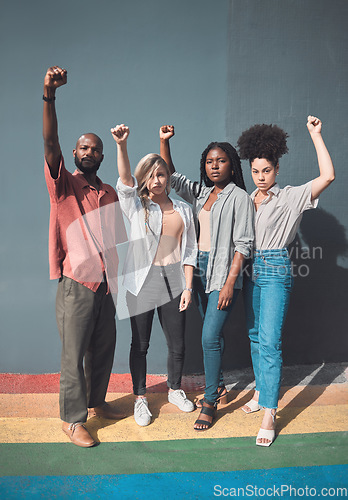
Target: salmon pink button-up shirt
(85,226)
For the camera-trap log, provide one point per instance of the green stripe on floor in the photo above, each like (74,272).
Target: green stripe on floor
(173,456)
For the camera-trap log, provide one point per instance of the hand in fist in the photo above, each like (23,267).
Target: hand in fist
(313,124)
(55,77)
(166,132)
(120,133)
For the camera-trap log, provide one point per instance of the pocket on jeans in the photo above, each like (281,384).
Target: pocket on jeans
(276,262)
(276,268)
(68,283)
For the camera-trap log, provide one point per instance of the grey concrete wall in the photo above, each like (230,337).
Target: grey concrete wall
(210,68)
(286,60)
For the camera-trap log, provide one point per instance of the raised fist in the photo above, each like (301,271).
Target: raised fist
(166,132)
(120,133)
(55,77)
(313,124)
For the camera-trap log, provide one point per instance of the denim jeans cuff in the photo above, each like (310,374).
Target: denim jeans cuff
(209,402)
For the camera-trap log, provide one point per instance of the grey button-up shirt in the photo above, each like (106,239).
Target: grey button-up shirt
(231,226)
(278,216)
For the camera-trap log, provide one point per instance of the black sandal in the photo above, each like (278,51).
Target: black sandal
(221,399)
(207,409)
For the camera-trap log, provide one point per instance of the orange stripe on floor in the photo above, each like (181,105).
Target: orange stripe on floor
(46,405)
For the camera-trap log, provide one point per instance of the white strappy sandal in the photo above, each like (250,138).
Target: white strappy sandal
(267,433)
(252,405)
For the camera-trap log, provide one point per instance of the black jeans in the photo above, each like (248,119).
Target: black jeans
(162,291)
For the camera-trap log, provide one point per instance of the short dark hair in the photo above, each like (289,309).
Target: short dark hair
(263,141)
(232,154)
(98,139)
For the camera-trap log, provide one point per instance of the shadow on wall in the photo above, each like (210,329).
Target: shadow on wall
(316,326)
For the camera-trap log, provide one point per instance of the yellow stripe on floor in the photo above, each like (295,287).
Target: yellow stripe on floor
(178,425)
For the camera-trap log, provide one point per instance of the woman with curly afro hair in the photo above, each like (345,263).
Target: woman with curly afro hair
(223,215)
(267,291)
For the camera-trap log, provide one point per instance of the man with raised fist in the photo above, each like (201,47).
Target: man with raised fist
(84,226)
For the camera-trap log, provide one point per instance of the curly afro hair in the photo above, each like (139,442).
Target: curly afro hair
(263,141)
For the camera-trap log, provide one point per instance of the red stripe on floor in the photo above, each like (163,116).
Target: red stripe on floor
(19,383)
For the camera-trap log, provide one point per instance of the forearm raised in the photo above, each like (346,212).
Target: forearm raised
(166,154)
(54,78)
(165,133)
(120,134)
(325,164)
(326,168)
(50,123)
(123,165)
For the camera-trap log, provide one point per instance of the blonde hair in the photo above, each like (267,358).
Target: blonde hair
(146,167)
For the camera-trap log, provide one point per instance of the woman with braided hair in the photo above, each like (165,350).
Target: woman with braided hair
(267,292)
(223,216)
(158,272)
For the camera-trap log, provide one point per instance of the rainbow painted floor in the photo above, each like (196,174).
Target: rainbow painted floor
(168,459)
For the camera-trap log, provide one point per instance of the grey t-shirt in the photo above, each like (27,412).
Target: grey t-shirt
(278,216)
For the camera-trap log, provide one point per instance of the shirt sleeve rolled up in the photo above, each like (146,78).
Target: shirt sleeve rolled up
(243,231)
(183,187)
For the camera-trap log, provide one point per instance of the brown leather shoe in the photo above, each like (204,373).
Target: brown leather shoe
(105,411)
(78,434)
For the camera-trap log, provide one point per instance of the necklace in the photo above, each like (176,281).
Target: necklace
(168,202)
(259,202)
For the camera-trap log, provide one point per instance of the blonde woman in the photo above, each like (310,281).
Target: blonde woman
(159,268)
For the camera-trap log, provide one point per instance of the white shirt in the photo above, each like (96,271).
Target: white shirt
(279,215)
(143,244)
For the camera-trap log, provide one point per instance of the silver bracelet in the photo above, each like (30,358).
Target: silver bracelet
(189,289)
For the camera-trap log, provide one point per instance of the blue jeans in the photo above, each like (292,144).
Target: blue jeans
(266,299)
(212,338)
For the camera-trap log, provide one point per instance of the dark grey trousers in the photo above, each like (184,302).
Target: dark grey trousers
(87,328)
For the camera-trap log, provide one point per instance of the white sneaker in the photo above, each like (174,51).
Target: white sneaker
(142,414)
(179,399)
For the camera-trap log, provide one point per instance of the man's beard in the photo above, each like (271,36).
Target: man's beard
(87,170)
